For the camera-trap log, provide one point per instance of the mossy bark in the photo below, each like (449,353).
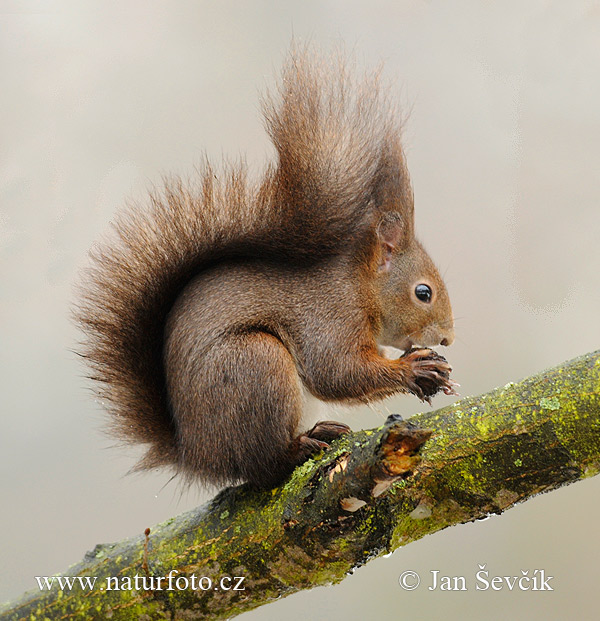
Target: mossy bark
(371,492)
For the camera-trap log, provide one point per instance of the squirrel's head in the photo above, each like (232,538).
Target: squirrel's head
(415,307)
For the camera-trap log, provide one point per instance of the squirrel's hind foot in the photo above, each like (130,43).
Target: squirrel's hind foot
(328,430)
(314,440)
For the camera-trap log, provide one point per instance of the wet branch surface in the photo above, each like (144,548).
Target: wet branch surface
(370,493)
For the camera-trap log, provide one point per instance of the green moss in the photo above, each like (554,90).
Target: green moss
(551,403)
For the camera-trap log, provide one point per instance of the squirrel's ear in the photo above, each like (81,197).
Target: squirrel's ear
(392,235)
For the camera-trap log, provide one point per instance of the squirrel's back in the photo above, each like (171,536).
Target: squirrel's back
(339,167)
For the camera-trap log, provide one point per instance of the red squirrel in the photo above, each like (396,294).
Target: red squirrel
(211,307)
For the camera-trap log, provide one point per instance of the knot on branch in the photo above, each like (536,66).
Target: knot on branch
(398,452)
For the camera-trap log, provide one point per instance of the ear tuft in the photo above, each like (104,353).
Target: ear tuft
(392,236)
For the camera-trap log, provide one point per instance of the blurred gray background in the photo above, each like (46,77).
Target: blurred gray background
(99,100)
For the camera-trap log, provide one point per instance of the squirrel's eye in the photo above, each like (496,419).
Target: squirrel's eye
(423,293)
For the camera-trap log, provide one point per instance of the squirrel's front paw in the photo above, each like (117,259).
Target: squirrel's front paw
(429,373)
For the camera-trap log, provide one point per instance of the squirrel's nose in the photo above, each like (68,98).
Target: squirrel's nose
(448,337)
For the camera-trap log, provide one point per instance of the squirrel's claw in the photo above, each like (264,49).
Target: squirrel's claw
(429,373)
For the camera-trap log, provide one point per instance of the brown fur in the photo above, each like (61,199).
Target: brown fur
(212,305)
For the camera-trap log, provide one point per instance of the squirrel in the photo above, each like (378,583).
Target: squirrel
(213,305)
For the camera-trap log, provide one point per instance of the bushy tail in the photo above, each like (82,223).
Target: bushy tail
(339,167)
(134,280)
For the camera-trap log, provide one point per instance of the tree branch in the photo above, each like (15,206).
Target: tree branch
(370,493)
